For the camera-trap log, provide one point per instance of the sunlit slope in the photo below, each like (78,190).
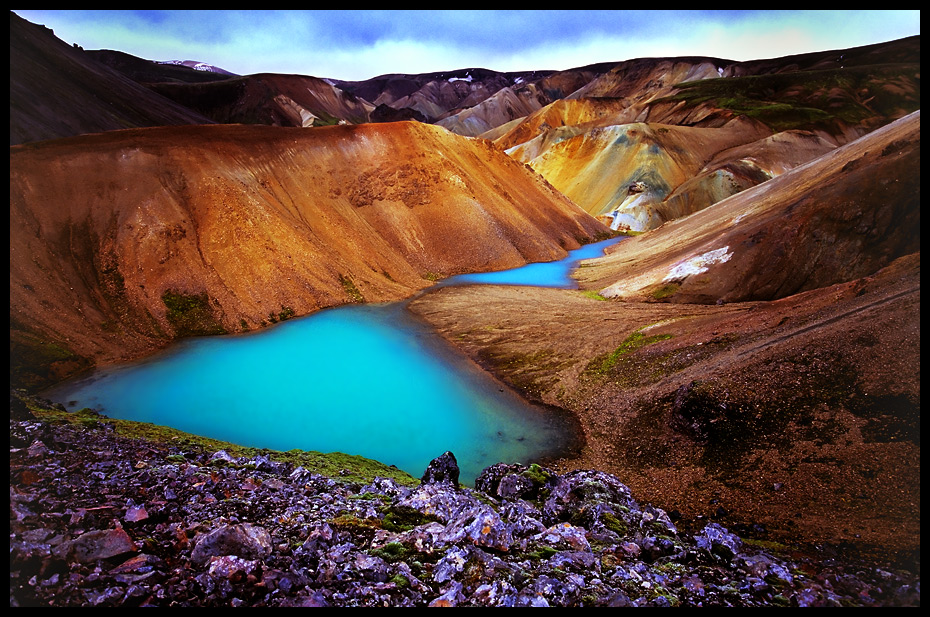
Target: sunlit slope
(840,217)
(603,145)
(579,114)
(631,168)
(125,240)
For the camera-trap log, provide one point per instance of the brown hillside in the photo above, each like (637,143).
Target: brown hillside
(742,167)
(123,241)
(777,391)
(796,421)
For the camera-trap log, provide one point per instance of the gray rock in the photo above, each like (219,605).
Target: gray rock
(244,540)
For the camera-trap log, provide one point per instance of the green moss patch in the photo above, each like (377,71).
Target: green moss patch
(393,552)
(604,363)
(346,468)
(664,292)
(348,285)
(284,314)
(399,519)
(590,293)
(36,363)
(191,314)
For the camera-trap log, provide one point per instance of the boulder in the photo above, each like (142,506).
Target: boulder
(442,469)
(99,544)
(245,540)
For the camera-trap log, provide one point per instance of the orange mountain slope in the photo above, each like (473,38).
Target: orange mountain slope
(122,241)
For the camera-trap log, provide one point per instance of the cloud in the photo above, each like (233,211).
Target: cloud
(361,44)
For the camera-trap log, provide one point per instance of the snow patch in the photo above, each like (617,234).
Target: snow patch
(698,264)
(197,66)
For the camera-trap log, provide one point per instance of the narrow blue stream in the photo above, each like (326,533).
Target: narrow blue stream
(368,379)
(541,274)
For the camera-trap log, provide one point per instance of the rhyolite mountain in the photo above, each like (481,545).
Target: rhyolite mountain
(126,240)
(565,124)
(757,357)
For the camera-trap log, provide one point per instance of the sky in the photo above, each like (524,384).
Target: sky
(358,45)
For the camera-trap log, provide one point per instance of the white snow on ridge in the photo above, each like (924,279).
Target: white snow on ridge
(698,264)
(197,66)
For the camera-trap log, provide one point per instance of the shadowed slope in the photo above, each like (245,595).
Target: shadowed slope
(525,95)
(272,99)
(57,91)
(122,241)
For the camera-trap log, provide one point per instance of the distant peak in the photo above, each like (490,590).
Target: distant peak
(198,66)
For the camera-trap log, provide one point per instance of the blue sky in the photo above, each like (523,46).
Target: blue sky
(356,45)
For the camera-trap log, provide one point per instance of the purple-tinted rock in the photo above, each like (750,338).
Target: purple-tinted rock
(564,534)
(483,526)
(99,544)
(442,469)
(719,541)
(228,566)
(489,479)
(452,596)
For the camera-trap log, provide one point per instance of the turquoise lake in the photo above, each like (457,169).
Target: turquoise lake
(367,379)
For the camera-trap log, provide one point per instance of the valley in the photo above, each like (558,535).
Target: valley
(748,356)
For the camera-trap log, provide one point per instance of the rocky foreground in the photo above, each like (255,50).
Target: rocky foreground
(100,519)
